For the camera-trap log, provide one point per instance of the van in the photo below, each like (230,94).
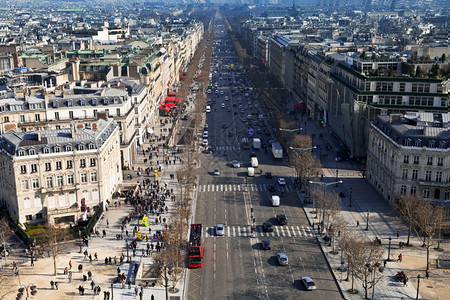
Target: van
(208,109)
(275,200)
(254,162)
(251,172)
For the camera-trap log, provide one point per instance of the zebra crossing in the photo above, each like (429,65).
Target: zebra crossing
(227,148)
(278,231)
(241,188)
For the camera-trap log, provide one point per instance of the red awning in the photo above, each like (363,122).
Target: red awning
(161,107)
(166,109)
(300,105)
(169,104)
(169,99)
(177,99)
(171,94)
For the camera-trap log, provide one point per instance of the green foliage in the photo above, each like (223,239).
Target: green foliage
(443,58)
(363,55)
(435,72)
(419,72)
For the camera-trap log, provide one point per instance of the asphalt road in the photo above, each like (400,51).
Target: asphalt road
(234,265)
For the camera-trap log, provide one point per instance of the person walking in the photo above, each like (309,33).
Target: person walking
(427,274)
(92,284)
(400,257)
(56,284)
(70,276)
(70,265)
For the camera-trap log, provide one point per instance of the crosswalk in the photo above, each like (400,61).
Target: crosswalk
(227,148)
(242,188)
(278,231)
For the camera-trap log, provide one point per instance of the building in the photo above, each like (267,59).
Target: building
(410,154)
(46,174)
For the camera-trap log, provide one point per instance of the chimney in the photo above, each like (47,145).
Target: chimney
(102,92)
(39,138)
(108,85)
(102,115)
(94,126)
(73,130)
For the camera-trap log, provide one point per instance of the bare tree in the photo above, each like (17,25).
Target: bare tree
(53,238)
(366,257)
(4,233)
(429,220)
(408,207)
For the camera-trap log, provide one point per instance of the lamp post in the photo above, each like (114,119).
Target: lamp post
(112,291)
(79,237)
(418,286)
(23,287)
(367,220)
(351,190)
(337,175)
(323,184)
(127,249)
(389,250)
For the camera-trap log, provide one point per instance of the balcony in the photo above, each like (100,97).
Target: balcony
(60,211)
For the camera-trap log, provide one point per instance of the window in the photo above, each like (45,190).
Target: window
(70,179)
(93,162)
(58,165)
(48,166)
(403,189)
(405,173)
(57,116)
(23,169)
(416,159)
(49,181)
(69,164)
(25,185)
(29,217)
(71,115)
(33,168)
(406,159)
(37,117)
(447,195)
(59,180)
(68,147)
(428,176)
(440,161)
(118,112)
(94,177)
(402,86)
(35,183)
(426,193)
(83,177)
(413,190)
(415,174)
(22,119)
(6,119)
(31,152)
(429,161)
(82,163)
(46,150)
(91,146)
(80,147)
(438,176)
(57,149)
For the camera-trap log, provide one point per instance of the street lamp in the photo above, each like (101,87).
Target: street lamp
(112,291)
(337,175)
(127,249)
(418,286)
(351,190)
(23,287)
(367,221)
(389,250)
(79,237)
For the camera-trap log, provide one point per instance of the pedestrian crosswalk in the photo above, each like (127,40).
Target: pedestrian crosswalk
(227,148)
(278,231)
(242,188)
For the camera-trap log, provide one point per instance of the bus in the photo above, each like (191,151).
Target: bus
(195,246)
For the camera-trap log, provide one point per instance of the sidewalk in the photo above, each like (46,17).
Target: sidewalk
(382,224)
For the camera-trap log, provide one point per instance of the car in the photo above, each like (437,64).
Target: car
(252,154)
(268,175)
(282,220)
(308,283)
(221,92)
(271,188)
(236,164)
(226,98)
(265,245)
(259,131)
(216,171)
(282,259)
(223,105)
(224,125)
(205,142)
(209,92)
(281,181)
(205,134)
(267,227)
(219,229)
(208,151)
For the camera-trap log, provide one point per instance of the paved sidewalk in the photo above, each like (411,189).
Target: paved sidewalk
(382,224)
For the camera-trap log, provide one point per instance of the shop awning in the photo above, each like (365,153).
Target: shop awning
(169,99)
(169,104)
(173,94)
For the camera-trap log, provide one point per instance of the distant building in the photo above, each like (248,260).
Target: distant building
(410,154)
(45,175)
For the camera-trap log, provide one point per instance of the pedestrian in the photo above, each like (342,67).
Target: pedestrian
(405,280)
(56,284)
(357,223)
(90,257)
(152,297)
(427,274)
(89,275)
(70,276)
(70,265)
(95,256)
(400,257)
(52,284)
(92,284)
(136,291)
(107,222)
(384,263)
(398,234)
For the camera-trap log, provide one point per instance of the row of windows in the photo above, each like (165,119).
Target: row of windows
(428,175)
(58,165)
(430,160)
(390,100)
(56,149)
(426,192)
(420,101)
(57,181)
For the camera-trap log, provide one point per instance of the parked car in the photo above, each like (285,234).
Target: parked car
(236,164)
(216,171)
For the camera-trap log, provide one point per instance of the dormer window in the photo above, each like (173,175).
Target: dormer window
(431,144)
(105,101)
(68,147)
(46,150)
(116,100)
(94,102)
(418,143)
(31,152)
(83,102)
(70,103)
(21,152)
(91,146)
(57,149)
(80,147)
(408,142)
(442,144)
(55,104)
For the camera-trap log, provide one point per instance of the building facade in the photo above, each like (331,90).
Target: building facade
(410,154)
(46,174)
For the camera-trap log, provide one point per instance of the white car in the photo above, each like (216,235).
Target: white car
(226,98)
(223,105)
(308,283)
(219,229)
(282,259)
(216,171)
(236,164)
(281,181)
(205,142)
(205,134)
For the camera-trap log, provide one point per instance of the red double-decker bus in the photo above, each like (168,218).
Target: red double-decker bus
(195,246)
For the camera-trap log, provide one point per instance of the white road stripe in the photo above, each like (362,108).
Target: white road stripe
(299,232)
(239,231)
(234,231)
(228,230)
(287,231)
(278,232)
